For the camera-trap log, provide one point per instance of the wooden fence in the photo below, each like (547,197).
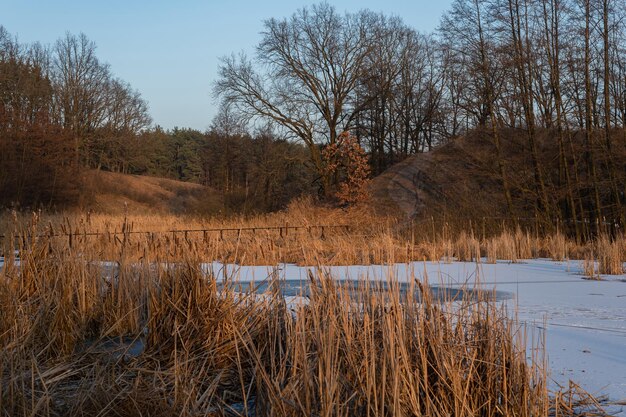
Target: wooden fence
(283,231)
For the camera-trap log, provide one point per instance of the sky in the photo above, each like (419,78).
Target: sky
(169,50)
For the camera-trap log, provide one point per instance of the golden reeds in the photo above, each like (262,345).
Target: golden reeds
(125,324)
(297,236)
(610,255)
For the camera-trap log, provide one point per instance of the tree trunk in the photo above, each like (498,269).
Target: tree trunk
(553,52)
(589,154)
(494,123)
(523,66)
(607,111)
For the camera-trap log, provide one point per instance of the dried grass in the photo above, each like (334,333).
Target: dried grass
(557,247)
(151,334)
(610,255)
(295,237)
(590,268)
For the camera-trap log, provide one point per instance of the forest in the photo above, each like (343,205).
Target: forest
(377,221)
(63,111)
(541,68)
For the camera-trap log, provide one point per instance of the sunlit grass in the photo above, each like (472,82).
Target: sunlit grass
(149,332)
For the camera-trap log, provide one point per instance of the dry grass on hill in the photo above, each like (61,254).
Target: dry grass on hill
(460,180)
(113,193)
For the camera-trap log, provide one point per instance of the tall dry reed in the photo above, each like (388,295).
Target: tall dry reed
(611,255)
(297,236)
(135,326)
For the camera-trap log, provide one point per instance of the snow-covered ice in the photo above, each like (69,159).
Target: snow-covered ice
(584,320)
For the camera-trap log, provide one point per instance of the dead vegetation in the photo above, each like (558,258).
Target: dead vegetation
(150,332)
(116,194)
(460,180)
(307,234)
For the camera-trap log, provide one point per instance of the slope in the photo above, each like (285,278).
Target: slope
(461,178)
(114,193)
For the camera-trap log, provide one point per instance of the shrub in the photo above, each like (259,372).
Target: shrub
(346,162)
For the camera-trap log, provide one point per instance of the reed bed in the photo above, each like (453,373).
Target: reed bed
(298,235)
(611,255)
(126,327)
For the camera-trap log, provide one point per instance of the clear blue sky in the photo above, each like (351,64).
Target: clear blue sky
(169,50)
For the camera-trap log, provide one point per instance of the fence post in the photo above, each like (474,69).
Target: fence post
(432,219)
(484,227)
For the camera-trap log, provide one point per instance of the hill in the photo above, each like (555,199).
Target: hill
(461,178)
(114,193)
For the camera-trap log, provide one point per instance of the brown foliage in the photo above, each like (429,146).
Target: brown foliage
(82,337)
(346,162)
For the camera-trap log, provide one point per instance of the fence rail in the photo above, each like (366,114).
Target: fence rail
(283,230)
(479,224)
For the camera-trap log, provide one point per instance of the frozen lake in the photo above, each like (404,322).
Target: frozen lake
(584,320)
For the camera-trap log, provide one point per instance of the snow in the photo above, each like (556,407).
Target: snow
(584,320)
(16,260)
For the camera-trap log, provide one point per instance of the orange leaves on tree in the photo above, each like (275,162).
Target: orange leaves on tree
(346,163)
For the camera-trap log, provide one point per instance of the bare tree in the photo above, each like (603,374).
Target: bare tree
(589,152)
(34,164)
(125,111)
(606,58)
(305,71)
(95,108)
(464,29)
(524,71)
(80,82)
(552,11)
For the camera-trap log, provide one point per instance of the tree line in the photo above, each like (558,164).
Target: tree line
(252,172)
(58,103)
(63,111)
(491,65)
